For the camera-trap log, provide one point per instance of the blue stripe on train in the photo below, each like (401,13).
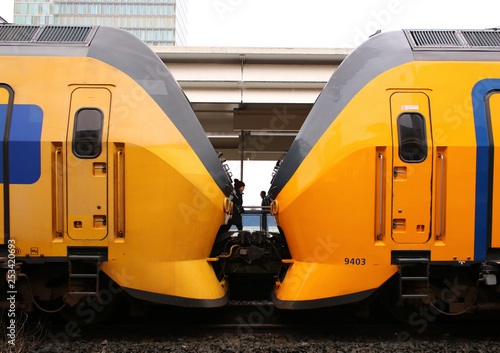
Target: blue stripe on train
(483,194)
(24,143)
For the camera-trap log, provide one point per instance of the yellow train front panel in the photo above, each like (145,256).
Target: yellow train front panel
(102,163)
(386,164)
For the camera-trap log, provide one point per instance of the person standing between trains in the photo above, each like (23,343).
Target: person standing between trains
(265,210)
(235,219)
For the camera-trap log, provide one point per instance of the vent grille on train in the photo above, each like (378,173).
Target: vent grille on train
(46,34)
(482,38)
(17,33)
(435,38)
(454,39)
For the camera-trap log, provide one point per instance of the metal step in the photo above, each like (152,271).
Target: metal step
(83,275)
(82,293)
(413,278)
(413,260)
(415,296)
(92,279)
(417,277)
(85,257)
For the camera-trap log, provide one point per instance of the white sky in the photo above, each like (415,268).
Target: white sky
(315,23)
(257,177)
(320,23)
(326,23)
(7,9)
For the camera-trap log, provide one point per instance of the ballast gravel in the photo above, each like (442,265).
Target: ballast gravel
(269,342)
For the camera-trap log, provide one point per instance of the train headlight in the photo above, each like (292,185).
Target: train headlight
(228,206)
(274,207)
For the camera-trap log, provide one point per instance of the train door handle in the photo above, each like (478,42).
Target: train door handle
(103,220)
(396,172)
(396,224)
(103,167)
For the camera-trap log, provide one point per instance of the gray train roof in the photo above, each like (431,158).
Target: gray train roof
(129,54)
(375,56)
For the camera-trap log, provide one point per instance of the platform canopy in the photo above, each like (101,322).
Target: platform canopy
(251,102)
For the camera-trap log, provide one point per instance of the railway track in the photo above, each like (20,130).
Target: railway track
(257,326)
(261,314)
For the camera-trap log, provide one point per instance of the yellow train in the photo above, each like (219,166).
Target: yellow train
(390,189)
(392,185)
(105,169)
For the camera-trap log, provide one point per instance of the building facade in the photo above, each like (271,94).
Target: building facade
(156,22)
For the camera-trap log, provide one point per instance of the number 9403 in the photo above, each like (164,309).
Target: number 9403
(358,261)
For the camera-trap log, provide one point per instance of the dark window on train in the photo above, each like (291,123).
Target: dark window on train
(412,138)
(87,133)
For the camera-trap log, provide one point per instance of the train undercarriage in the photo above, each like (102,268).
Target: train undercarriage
(251,261)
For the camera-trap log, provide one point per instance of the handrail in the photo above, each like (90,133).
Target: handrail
(438,236)
(380,155)
(254,212)
(58,193)
(257,207)
(120,217)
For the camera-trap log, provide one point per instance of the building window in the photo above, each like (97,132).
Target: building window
(46,9)
(170,34)
(87,133)
(412,138)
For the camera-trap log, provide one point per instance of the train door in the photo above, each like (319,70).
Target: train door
(412,167)
(87,165)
